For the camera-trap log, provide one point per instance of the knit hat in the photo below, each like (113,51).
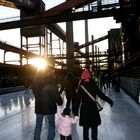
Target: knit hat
(86,74)
(66,111)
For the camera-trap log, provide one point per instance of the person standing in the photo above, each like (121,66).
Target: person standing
(46,99)
(89,114)
(65,123)
(68,85)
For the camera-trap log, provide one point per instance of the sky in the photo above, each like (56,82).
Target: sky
(97,27)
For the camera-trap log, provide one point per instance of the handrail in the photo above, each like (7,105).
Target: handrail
(9,19)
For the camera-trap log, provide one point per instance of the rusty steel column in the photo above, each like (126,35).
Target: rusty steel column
(86,40)
(21,56)
(69,46)
(93,65)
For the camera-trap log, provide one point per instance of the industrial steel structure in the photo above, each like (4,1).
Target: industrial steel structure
(123,53)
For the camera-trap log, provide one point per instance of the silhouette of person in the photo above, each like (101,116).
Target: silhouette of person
(68,85)
(46,99)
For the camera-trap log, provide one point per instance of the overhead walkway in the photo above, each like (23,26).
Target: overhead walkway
(17,118)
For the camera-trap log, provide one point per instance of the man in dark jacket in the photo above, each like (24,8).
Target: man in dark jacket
(46,99)
(68,85)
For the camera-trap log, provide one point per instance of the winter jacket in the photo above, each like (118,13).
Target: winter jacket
(68,85)
(46,95)
(89,114)
(65,123)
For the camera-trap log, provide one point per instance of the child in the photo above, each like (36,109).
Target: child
(65,123)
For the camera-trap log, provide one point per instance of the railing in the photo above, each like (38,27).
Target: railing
(106,2)
(77,55)
(9,19)
(104,5)
(29,2)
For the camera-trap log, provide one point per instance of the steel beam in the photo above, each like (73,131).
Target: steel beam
(66,6)
(91,42)
(56,19)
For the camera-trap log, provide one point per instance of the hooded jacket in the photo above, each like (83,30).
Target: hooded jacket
(65,123)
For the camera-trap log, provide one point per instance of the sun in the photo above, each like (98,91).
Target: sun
(39,63)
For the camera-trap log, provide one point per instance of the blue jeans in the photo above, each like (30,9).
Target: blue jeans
(51,128)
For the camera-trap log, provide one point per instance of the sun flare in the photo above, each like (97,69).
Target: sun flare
(39,63)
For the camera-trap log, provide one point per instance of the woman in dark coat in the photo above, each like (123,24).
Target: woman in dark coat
(89,114)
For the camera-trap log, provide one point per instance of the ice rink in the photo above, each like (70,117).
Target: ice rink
(17,118)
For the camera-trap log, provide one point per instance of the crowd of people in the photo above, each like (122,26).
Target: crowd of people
(79,106)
